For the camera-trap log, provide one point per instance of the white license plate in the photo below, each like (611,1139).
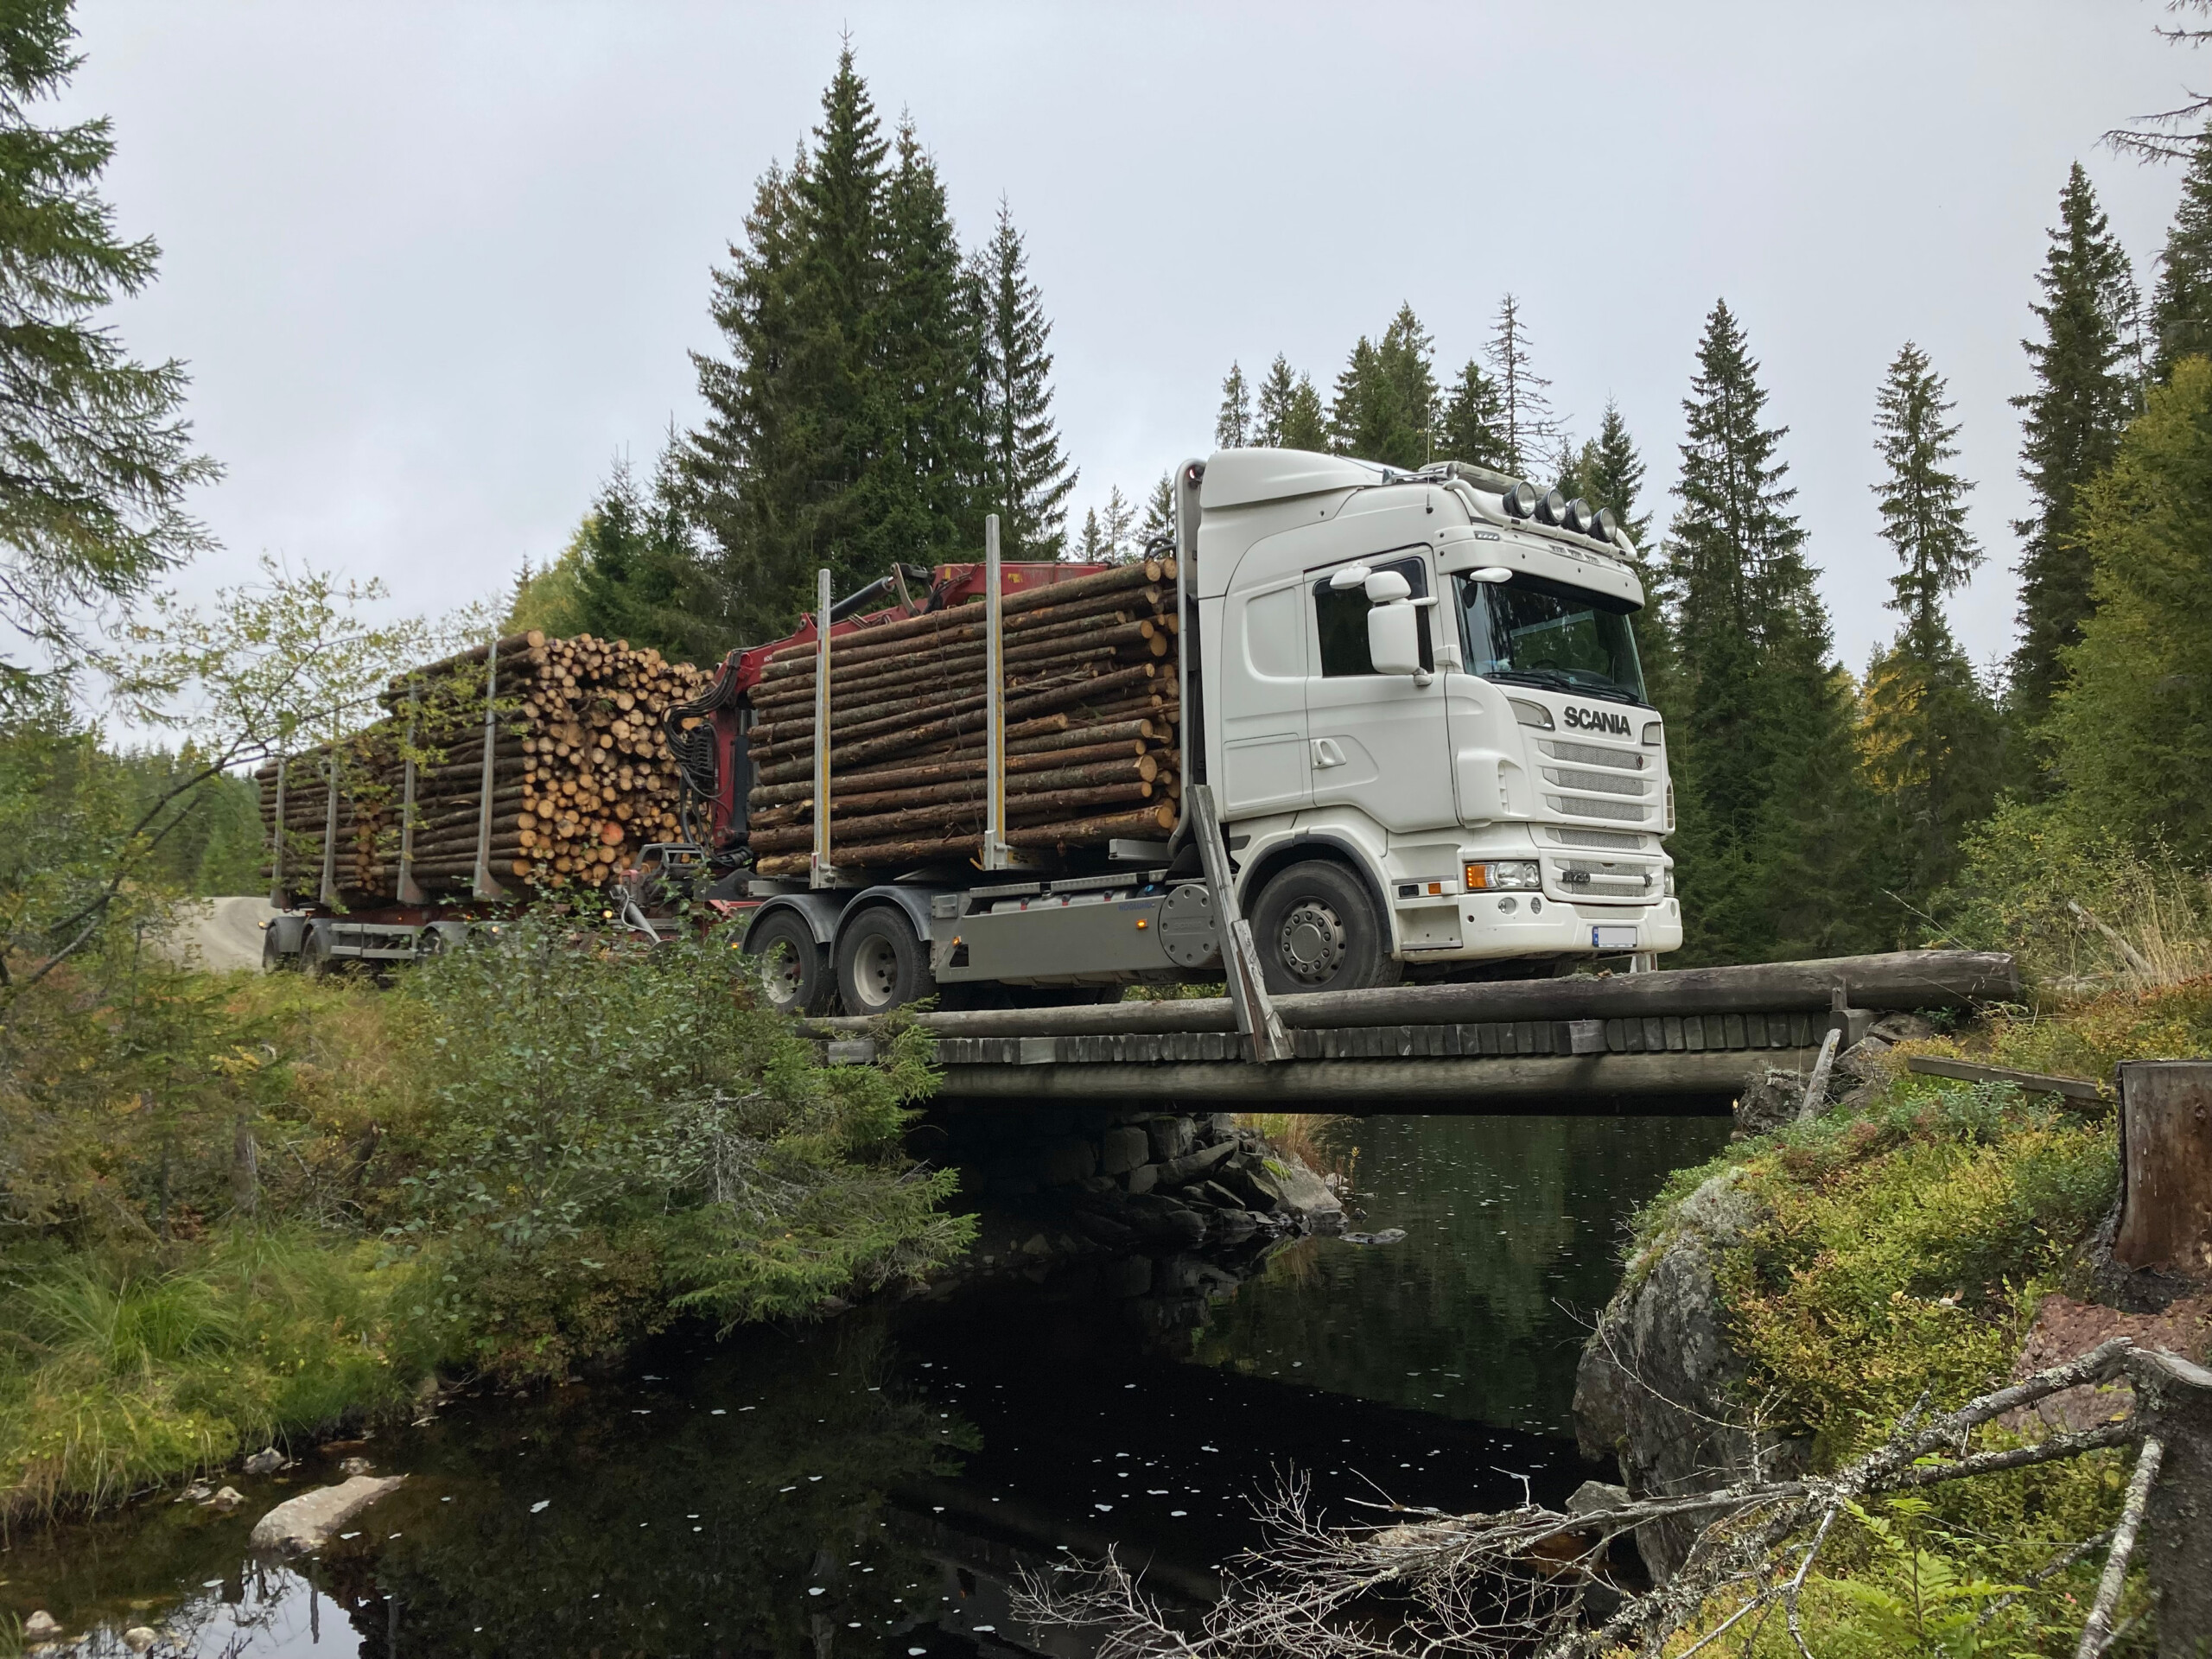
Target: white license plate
(1612,938)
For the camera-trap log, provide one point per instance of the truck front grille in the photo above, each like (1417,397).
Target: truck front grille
(1589,754)
(1603,783)
(1588,806)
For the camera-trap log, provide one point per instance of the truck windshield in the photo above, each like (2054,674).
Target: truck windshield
(1531,632)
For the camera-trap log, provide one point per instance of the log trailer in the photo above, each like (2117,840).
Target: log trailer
(1404,736)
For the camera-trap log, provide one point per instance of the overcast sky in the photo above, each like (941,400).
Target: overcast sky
(434,267)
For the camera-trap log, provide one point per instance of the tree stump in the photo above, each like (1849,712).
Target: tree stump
(2174,1401)
(2166,1145)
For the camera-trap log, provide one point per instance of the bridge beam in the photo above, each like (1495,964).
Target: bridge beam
(1433,1085)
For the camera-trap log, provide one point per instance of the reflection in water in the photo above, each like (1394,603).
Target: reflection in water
(1512,1225)
(872,1487)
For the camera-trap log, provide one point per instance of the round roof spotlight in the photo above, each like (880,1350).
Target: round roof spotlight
(1552,510)
(1521,501)
(1581,517)
(1604,526)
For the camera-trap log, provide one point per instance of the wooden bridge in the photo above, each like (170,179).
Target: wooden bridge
(1632,1042)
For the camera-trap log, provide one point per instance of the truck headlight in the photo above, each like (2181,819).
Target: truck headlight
(1504,875)
(1670,884)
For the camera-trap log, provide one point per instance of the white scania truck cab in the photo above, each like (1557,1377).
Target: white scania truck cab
(1424,720)
(1415,699)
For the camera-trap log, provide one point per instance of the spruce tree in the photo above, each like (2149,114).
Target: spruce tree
(1928,731)
(1759,745)
(1027,479)
(1609,472)
(2084,396)
(98,456)
(1159,511)
(2181,306)
(1119,525)
(1527,426)
(1232,427)
(1473,428)
(928,369)
(1091,546)
(2134,728)
(1289,414)
(1385,408)
(638,578)
(842,424)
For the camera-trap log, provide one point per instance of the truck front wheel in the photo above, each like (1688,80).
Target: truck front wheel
(1318,931)
(794,969)
(880,963)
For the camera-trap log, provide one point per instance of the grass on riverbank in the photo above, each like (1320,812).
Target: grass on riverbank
(1903,1253)
(239,1208)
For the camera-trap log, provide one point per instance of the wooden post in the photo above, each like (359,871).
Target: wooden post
(820,873)
(2166,1148)
(1240,956)
(407,889)
(276,894)
(995,849)
(329,890)
(484,884)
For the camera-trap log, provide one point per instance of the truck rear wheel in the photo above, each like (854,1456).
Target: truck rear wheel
(794,967)
(273,960)
(1318,931)
(880,963)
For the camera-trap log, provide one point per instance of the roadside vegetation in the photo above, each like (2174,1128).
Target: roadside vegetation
(1899,1256)
(235,1209)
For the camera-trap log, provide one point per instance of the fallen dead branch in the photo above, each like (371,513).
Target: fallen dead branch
(1520,1580)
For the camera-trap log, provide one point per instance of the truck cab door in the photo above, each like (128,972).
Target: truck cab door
(1378,742)
(1262,703)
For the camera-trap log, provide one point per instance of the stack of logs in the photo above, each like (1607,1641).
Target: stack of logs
(1090,711)
(581,775)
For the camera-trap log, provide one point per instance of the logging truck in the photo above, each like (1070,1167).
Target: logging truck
(1347,725)
(1351,725)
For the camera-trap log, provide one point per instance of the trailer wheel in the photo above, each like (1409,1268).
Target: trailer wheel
(794,969)
(1318,931)
(315,951)
(880,963)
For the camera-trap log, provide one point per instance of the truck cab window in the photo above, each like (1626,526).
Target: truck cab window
(1531,632)
(1342,617)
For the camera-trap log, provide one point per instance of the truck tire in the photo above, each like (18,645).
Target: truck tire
(794,967)
(881,963)
(315,951)
(273,959)
(1318,931)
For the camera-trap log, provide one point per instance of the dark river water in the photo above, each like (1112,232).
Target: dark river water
(873,1486)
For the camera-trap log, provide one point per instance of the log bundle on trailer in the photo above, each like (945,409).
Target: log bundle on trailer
(580,782)
(1089,668)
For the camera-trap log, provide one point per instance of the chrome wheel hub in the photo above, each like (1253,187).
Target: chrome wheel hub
(875,971)
(1312,942)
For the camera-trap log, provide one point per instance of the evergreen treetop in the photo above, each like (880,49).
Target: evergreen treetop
(98,455)
(845,418)
(2181,305)
(1385,406)
(2084,395)
(1159,510)
(1474,420)
(1289,414)
(1029,479)
(1922,503)
(1232,427)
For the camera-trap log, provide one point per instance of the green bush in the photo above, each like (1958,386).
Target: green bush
(239,1208)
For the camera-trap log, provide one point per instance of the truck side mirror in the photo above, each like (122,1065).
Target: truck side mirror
(1393,637)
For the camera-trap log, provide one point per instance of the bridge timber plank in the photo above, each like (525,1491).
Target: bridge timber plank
(1441,1084)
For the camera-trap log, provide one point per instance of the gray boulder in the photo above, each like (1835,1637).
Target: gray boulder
(312,1519)
(1655,1386)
